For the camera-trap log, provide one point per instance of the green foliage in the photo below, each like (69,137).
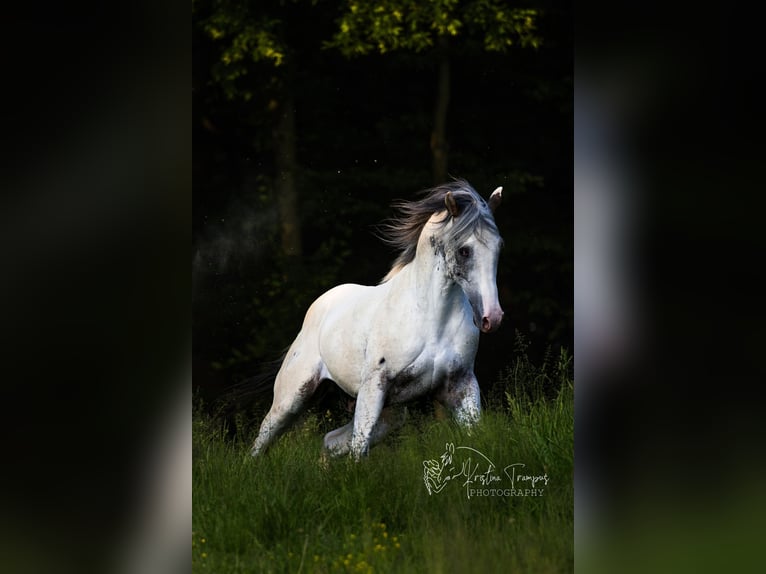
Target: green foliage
(387,25)
(292,510)
(249,33)
(244,36)
(526,383)
(541,400)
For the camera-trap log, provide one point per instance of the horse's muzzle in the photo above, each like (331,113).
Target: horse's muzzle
(491,321)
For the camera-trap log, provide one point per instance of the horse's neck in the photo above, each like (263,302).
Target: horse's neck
(425,280)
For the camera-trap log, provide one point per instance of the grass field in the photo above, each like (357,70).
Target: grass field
(290,512)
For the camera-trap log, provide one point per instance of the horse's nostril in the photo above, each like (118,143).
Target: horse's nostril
(485,324)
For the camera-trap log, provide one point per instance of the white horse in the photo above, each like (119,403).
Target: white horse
(417,332)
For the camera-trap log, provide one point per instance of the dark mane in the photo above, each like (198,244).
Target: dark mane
(402,232)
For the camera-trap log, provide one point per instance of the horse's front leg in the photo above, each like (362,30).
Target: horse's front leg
(369,405)
(338,441)
(460,394)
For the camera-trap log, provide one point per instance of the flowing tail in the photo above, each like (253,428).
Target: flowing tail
(246,395)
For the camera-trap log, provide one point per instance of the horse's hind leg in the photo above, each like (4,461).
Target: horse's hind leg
(294,385)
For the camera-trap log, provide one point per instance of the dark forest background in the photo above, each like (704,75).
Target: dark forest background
(311,117)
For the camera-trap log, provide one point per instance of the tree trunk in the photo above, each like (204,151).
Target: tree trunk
(286,166)
(439,146)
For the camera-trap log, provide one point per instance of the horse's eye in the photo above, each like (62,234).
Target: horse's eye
(464,252)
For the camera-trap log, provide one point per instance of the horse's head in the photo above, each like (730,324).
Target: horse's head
(471,247)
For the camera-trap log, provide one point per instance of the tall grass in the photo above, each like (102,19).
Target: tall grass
(292,511)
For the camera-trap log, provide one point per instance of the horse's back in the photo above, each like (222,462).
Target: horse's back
(336,302)
(339,308)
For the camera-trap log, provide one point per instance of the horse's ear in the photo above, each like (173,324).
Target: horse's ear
(451,204)
(496,199)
